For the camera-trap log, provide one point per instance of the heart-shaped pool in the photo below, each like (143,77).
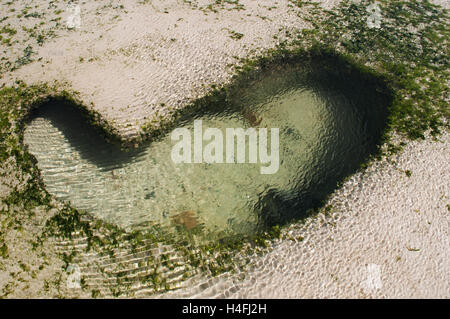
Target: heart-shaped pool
(329,119)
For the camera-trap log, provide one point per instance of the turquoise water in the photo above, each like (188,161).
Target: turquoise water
(328,123)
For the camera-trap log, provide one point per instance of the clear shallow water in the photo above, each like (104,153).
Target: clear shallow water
(328,124)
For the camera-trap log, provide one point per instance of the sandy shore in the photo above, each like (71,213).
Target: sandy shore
(387,232)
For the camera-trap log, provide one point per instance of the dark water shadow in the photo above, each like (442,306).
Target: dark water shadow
(85,138)
(353,96)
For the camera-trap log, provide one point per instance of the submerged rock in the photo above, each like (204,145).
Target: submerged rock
(186,219)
